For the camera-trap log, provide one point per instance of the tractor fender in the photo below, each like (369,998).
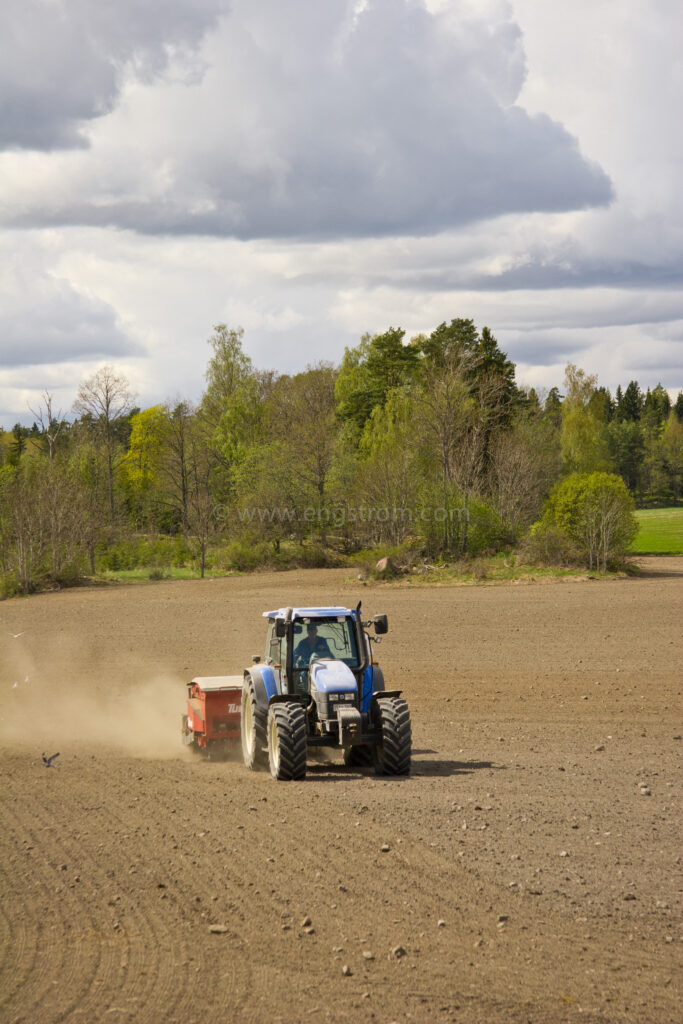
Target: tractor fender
(263,681)
(377,679)
(284,698)
(379,696)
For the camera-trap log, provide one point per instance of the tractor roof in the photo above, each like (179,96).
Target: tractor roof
(309,613)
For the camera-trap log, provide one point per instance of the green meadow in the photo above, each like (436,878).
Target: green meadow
(660,532)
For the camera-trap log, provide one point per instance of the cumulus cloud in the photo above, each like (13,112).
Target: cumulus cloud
(320,168)
(63,62)
(322,120)
(44,319)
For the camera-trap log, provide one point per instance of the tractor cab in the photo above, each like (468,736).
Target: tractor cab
(296,649)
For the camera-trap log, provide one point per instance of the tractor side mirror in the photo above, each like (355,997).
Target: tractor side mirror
(381,624)
(280,628)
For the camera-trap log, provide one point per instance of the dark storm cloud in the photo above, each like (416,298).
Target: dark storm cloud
(581,272)
(321,120)
(60,326)
(62,61)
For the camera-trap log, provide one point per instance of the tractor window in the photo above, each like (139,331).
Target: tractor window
(269,656)
(331,638)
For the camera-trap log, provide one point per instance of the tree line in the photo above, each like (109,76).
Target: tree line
(426,443)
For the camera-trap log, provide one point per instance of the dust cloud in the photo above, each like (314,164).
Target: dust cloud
(124,704)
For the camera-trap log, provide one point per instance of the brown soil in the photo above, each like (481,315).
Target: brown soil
(533,870)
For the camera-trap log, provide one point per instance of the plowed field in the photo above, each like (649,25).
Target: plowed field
(533,864)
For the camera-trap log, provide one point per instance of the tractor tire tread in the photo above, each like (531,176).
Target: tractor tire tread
(392,755)
(290,720)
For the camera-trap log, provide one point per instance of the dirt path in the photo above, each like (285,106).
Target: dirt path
(533,871)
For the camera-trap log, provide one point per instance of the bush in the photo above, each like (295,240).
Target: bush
(69,574)
(141,552)
(181,552)
(594,513)
(9,585)
(485,531)
(313,556)
(547,545)
(244,555)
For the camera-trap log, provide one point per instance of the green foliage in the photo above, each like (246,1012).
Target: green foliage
(594,512)
(245,555)
(450,342)
(486,531)
(601,406)
(583,439)
(314,556)
(552,409)
(242,422)
(656,408)
(388,474)
(140,552)
(370,371)
(145,447)
(227,368)
(139,475)
(482,361)
(626,446)
(630,404)
(9,585)
(672,454)
(548,545)
(424,446)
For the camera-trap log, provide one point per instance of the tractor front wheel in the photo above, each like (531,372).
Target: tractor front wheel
(253,729)
(392,753)
(287,741)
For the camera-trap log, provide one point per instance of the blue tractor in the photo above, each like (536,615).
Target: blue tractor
(319,686)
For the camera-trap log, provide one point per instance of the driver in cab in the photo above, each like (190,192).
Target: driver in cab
(311,646)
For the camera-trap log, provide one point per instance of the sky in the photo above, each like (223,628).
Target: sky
(311,171)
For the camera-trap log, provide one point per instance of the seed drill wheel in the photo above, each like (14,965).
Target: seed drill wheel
(287,741)
(253,730)
(188,737)
(392,753)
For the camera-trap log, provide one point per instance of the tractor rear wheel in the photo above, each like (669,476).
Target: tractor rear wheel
(392,753)
(253,729)
(287,741)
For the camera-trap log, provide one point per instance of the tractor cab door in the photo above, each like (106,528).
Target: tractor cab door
(276,657)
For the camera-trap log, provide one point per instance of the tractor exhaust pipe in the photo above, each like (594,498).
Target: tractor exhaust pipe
(360,639)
